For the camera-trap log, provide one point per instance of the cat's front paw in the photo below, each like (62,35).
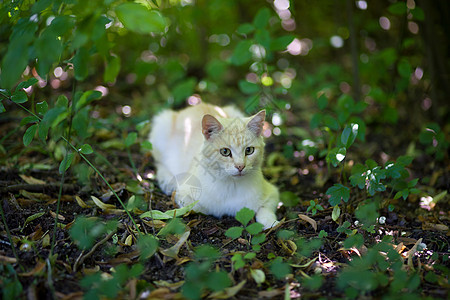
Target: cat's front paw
(267,218)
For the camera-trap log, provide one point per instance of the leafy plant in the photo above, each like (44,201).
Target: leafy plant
(254,230)
(314,207)
(200,278)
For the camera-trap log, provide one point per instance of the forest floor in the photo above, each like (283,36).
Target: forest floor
(29,201)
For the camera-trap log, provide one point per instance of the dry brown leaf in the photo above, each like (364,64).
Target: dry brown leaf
(157,224)
(411,252)
(434,227)
(7,259)
(31,180)
(309,220)
(81,203)
(38,268)
(228,292)
(173,251)
(60,217)
(35,196)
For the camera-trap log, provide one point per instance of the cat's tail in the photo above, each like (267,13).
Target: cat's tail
(162,129)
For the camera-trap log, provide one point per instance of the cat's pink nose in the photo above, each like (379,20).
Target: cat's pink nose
(240,167)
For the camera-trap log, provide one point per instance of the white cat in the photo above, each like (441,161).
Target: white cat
(213,155)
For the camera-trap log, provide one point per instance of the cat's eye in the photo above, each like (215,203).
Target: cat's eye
(225,152)
(249,150)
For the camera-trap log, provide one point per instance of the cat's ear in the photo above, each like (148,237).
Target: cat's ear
(255,125)
(210,126)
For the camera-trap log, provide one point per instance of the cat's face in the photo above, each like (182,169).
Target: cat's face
(233,147)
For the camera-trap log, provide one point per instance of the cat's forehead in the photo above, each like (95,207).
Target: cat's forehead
(235,133)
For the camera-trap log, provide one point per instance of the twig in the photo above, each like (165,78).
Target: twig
(82,258)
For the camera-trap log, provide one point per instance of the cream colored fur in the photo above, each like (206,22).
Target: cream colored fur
(187,150)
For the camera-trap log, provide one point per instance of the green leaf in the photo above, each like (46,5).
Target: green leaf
(81,63)
(322,102)
(261,19)
(32,218)
(81,122)
(16,58)
(218,281)
(316,120)
(245,215)
(418,13)
(29,134)
(279,268)
(246,28)
(248,88)
(404,68)
(259,238)
(86,98)
(66,162)
(336,155)
(140,19)
(184,89)
(234,232)
(28,120)
(398,8)
(241,53)
(2,108)
(86,149)
(48,48)
(19,97)
(336,213)
(112,69)
(281,43)
(330,122)
(146,145)
(349,134)
(131,139)
(254,228)
(41,107)
(337,193)
(147,245)
(26,84)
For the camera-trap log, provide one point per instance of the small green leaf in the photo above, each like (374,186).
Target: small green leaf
(349,134)
(336,213)
(398,8)
(245,215)
(26,84)
(147,245)
(19,97)
(234,232)
(33,217)
(2,108)
(246,28)
(261,19)
(146,145)
(86,149)
(112,69)
(66,162)
(241,53)
(322,102)
(281,43)
(131,139)
(28,120)
(41,107)
(259,238)
(248,88)
(337,193)
(254,228)
(29,134)
(81,63)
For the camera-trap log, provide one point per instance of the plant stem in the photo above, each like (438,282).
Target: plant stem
(8,233)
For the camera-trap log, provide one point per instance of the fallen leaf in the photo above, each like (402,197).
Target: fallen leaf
(31,180)
(258,275)
(102,205)
(229,292)
(129,240)
(35,196)
(434,227)
(38,268)
(81,203)
(31,218)
(173,251)
(309,220)
(7,259)
(60,217)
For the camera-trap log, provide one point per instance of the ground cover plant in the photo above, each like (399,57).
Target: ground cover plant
(357,142)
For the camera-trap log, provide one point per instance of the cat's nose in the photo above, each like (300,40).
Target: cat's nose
(239,167)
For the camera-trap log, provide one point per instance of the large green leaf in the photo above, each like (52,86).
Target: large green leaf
(337,193)
(140,19)
(81,63)
(29,134)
